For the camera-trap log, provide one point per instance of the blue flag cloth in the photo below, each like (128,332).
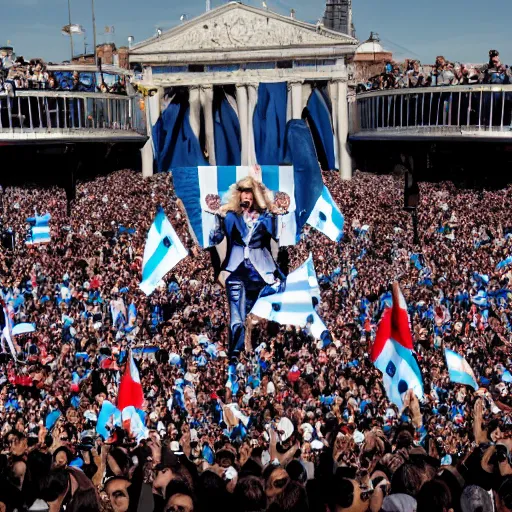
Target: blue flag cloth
(320,122)
(269,123)
(232,382)
(175,143)
(506,377)
(39,230)
(505,263)
(108,417)
(228,144)
(51,419)
(416,260)
(162,253)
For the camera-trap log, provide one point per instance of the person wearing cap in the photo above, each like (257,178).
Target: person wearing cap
(249,223)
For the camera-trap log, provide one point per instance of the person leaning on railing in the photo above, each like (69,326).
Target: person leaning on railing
(495,72)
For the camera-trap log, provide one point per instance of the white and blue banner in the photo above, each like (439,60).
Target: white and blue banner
(459,369)
(326,217)
(193,185)
(310,200)
(294,303)
(39,230)
(400,372)
(162,253)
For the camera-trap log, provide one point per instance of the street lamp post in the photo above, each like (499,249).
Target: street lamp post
(94,33)
(70,35)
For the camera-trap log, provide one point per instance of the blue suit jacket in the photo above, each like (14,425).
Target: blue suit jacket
(257,250)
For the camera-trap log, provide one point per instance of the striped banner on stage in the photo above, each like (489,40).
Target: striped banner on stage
(193,185)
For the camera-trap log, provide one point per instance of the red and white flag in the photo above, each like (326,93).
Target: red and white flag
(130,389)
(392,352)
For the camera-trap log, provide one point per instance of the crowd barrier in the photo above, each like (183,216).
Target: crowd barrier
(46,111)
(485,110)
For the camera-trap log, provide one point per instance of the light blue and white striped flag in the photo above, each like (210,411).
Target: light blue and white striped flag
(326,217)
(194,184)
(162,253)
(459,369)
(40,230)
(294,304)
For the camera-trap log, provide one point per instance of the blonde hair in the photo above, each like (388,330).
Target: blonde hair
(263,199)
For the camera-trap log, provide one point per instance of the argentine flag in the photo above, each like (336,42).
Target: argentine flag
(326,217)
(392,352)
(162,253)
(459,369)
(294,303)
(40,230)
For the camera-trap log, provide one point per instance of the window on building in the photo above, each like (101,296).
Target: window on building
(160,70)
(196,68)
(260,65)
(223,68)
(284,64)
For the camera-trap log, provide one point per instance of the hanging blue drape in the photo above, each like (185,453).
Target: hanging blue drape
(269,123)
(175,143)
(228,147)
(320,122)
(300,152)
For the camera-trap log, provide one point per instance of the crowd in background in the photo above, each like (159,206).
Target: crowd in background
(18,74)
(300,427)
(411,73)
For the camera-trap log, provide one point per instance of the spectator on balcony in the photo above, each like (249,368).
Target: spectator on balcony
(495,72)
(415,74)
(442,74)
(465,75)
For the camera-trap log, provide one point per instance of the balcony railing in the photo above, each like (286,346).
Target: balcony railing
(473,111)
(28,114)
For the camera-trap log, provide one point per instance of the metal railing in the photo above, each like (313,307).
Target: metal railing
(479,110)
(42,111)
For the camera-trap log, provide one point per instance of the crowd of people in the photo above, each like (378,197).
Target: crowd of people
(18,74)
(411,73)
(299,426)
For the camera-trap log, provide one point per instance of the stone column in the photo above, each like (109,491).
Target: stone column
(296,91)
(152,111)
(194,100)
(252,92)
(333,95)
(344,156)
(289,116)
(307,89)
(243,116)
(207,105)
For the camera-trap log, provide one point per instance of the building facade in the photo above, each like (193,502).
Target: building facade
(238,48)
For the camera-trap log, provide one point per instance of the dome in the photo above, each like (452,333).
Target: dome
(370,47)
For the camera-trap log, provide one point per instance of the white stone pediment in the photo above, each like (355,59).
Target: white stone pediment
(235,27)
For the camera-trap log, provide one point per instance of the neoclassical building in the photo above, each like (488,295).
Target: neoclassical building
(236,74)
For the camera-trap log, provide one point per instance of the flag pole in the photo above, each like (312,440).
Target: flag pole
(94,33)
(70,34)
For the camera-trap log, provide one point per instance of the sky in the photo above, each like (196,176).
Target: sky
(461,30)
